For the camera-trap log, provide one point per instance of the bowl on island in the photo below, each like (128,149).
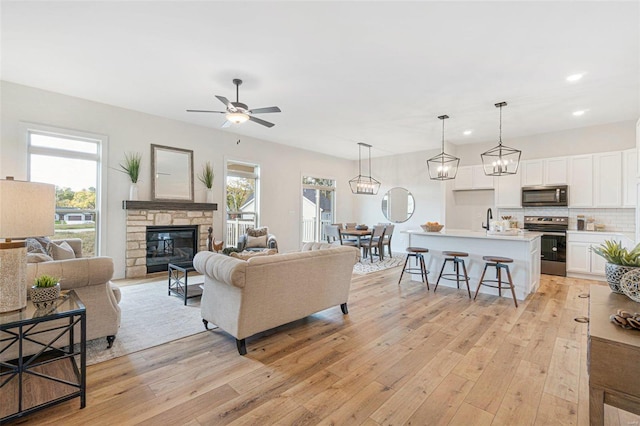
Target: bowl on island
(432,227)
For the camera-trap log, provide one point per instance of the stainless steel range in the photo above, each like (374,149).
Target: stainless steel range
(553,252)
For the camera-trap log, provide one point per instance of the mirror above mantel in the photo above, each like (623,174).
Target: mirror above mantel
(171,174)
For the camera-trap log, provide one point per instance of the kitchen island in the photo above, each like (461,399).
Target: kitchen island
(523,248)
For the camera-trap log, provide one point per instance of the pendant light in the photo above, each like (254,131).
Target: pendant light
(360,184)
(443,166)
(501,160)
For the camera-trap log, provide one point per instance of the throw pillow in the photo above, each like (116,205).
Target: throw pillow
(257,232)
(34,246)
(256,241)
(38,257)
(61,251)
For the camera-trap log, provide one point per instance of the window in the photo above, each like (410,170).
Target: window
(318,207)
(243,201)
(72,162)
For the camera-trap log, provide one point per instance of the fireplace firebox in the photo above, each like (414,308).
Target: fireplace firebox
(170,244)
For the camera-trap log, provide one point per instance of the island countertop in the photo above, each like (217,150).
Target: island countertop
(523,248)
(464,233)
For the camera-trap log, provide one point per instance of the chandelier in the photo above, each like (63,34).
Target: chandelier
(360,184)
(500,160)
(443,166)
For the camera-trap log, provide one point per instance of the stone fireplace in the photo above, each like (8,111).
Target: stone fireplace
(161,214)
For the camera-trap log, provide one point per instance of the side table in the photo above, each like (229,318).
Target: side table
(54,366)
(179,281)
(613,356)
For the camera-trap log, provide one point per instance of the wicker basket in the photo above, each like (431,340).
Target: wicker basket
(432,228)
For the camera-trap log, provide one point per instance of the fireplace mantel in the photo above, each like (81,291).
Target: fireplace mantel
(167,205)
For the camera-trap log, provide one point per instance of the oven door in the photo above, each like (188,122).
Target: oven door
(553,253)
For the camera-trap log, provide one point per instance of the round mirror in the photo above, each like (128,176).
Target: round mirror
(397,205)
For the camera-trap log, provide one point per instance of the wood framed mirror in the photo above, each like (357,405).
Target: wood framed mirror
(398,205)
(171,174)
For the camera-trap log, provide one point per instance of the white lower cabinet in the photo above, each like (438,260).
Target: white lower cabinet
(581,260)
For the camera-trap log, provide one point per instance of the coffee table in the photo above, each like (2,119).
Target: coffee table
(179,281)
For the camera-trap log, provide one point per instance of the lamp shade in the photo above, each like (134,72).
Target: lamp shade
(27,209)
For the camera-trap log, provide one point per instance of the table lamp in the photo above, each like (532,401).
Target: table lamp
(27,209)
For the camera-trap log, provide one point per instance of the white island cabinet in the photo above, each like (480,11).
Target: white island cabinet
(523,248)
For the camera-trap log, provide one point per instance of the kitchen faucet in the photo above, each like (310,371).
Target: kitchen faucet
(489,217)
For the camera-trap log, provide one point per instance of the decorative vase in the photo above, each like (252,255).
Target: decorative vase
(44,297)
(630,285)
(133,192)
(614,274)
(209,195)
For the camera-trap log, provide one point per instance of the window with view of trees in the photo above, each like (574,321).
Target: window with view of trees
(318,207)
(71,163)
(242,200)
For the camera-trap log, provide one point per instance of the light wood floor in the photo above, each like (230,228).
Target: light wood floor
(404,355)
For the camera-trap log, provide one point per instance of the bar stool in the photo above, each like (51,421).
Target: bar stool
(454,256)
(416,252)
(499,263)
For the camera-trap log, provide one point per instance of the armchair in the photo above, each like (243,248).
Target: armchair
(257,239)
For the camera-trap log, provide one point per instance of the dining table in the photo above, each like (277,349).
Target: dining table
(358,233)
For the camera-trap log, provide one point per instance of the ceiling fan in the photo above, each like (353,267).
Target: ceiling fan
(238,113)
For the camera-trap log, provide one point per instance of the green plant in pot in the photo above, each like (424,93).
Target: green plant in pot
(619,261)
(45,291)
(131,167)
(206,177)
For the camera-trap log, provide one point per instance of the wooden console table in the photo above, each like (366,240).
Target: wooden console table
(613,356)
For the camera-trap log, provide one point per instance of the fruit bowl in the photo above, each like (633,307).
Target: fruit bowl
(432,228)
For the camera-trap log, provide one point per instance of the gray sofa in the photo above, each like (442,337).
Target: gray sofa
(246,297)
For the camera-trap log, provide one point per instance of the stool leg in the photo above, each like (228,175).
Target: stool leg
(481,278)
(513,292)
(466,277)
(457,271)
(499,274)
(403,268)
(419,263)
(439,276)
(423,269)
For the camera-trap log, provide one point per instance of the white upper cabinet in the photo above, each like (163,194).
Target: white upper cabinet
(607,179)
(629,171)
(548,171)
(508,191)
(532,172)
(581,181)
(472,177)
(555,171)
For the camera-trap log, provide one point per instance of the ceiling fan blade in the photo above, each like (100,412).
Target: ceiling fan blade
(264,110)
(202,110)
(227,123)
(225,101)
(260,121)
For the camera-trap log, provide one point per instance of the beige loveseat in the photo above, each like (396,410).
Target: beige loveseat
(246,297)
(90,278)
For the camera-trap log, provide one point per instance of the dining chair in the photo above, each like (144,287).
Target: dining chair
(386,241)
(334,236)
(374,242)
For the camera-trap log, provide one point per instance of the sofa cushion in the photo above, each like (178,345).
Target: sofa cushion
(61,251)
(35,246)
(38,257)
(256,241)
(246,255)
(257,232)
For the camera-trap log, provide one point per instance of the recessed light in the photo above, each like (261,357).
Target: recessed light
(578,113)
(575,77)
(467,132)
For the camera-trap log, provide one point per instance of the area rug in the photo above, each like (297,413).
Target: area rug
(150,317)
(366,266)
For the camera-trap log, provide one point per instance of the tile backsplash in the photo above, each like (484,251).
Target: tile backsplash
(614,220)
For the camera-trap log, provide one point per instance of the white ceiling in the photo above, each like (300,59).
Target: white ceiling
(342,72)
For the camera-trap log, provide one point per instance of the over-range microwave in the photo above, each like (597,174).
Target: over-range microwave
(540,196)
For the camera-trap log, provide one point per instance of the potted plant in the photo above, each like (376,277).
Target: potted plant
(45,290)
(206,177)
(131,167)
(619,261)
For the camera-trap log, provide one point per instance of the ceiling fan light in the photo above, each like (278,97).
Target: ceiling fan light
(237,117)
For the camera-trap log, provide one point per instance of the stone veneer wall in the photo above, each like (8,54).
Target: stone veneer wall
(137,222)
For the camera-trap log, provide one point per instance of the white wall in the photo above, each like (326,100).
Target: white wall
(281,166)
